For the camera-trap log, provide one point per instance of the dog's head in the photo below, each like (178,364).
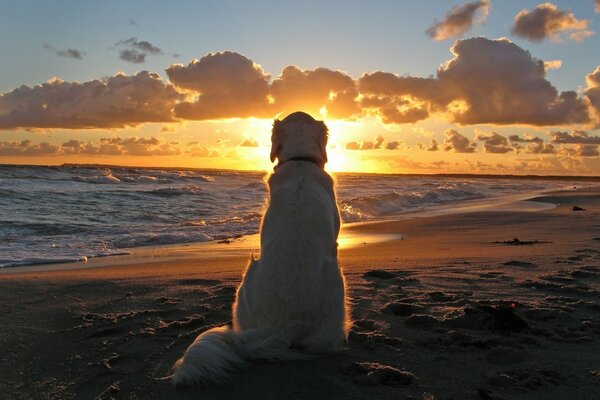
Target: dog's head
(299,135)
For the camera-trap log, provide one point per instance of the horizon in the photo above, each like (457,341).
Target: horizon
(445,87)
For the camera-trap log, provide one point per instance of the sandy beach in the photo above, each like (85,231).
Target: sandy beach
(494,304)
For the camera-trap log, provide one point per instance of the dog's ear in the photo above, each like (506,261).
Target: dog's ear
(275,140)
(323,140)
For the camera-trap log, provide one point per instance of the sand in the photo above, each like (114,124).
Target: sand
(444,307)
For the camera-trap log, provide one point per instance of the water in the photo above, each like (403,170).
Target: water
(69,213)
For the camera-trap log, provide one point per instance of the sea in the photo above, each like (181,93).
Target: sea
(51,214)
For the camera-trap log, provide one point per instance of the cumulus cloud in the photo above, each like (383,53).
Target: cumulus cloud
(587,150)
(115,146)
(249,142)
(135,51)
(132,146)
(597,3)
(593,92)
(526,139)
(226,85)
(392,145)
(117,102)
(546,21)
(494,143)
(195,149)
(487,81)
(459,143)
(574,137)
(68,53)
(27,148)
(368,145)
(459,20)
(540,148)
(310,90)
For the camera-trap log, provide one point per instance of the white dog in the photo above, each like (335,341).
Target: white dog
(291,301)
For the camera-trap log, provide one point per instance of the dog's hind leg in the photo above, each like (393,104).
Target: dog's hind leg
(242,308)
(330,333)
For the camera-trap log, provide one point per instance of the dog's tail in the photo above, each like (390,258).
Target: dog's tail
(219,351)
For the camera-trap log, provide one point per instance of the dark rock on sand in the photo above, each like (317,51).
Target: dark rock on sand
(379,273)
(375,374)
(577,208)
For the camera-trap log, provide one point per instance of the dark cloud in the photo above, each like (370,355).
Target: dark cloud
(392,145)
(459,143)
(117,102)
(133,56)
(226,85)
(540,148)
(494,143)
(526,139)
(588,150)
(131,21)
(575,137)
(459,20)
(69,53)
(546,21)
(135,51)
(249,143)
(27,148)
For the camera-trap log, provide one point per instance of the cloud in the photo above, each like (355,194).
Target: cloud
(502,83)
(133,56)
(587,150)
(27,148)
(115,146)
(248,142)
(597,8)
(310,90)
(494,143)
(69,53)
(135,51)
(526,139)
(197,150)
(487,82)
(540,148)
(117,102)
(459,20)
(552,64)
(132,146)
(459,143)
(368,145)
(546,21)
(575,137)
(226,85)
(392,145)
(593,92)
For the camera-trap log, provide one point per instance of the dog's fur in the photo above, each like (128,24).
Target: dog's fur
(291,302)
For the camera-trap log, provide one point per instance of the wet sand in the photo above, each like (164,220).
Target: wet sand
(444,307)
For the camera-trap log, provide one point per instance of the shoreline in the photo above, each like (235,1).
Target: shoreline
(350,235)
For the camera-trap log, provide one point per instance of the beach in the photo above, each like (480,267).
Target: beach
(485,303)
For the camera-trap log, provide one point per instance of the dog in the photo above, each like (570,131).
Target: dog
(291,302)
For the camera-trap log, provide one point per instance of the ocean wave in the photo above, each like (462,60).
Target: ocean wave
(178,191)
(98,179)
(390,203)
(153,239)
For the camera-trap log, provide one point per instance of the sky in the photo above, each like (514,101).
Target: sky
(488,86)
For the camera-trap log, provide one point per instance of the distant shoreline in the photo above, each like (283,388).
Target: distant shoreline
(583,178)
